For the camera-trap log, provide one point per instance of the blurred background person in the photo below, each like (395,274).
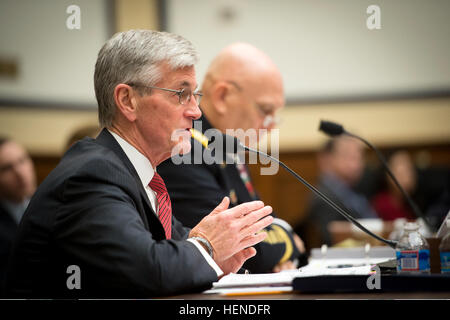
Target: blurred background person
(17,185)
(341,164)
(242,89)
(389,202)
(82,132)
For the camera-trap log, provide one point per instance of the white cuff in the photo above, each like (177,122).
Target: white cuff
(207,257)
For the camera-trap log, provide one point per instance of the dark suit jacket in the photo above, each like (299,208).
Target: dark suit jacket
(92,212)
(196,189)
(8,230)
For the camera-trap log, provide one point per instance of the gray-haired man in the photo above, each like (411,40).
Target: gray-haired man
(100,225)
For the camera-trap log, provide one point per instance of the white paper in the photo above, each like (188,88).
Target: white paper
(314,268)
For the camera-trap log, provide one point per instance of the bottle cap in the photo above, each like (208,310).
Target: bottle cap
(410,226)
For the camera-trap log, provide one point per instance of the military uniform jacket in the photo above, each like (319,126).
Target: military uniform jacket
(197,188)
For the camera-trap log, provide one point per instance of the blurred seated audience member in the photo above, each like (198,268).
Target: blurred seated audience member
(87,131)
(17,185)
(389,203)
(341,163)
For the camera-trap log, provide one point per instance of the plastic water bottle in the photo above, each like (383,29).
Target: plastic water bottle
(412,251)
(444,250)
(397,231)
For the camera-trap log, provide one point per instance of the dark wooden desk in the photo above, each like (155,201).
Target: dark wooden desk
(327,296)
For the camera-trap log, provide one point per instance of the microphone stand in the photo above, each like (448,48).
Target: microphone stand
(390,243)
(380,157)
(335,129)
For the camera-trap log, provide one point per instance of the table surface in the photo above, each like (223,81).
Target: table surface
(308,296)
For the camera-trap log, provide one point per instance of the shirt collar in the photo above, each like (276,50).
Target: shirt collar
(142,165)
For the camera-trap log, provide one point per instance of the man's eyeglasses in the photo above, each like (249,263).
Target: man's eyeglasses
(269,118)
(184,95)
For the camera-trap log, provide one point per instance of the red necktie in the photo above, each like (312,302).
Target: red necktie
(164,205)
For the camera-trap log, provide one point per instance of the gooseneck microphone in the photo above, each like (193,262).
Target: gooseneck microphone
(333,129)
(238,145)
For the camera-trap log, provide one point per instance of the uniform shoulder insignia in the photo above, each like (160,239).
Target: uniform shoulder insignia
(200,137)
(278,235)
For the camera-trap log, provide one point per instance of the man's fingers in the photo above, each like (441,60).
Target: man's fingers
(287,265)
(244,255)
(251,240)
(245,208)
(240,257)
(222,206)
(256,215)
(257,226)
(299,243)
(248,253)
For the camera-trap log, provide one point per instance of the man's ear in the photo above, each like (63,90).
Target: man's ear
(219,97)
(125,98)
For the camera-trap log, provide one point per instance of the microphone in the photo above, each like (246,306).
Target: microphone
(237,145)
(331,128)
(334,129)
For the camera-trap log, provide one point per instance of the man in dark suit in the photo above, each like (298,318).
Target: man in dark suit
(242,90)
(101,225)
(17,184)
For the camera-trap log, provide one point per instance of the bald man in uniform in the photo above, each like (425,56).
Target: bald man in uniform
(242,89)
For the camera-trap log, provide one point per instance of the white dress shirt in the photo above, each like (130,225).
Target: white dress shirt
(146,172)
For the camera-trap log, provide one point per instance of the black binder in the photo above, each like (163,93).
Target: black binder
(358,283)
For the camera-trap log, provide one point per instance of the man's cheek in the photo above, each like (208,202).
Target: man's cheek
(184,146)
(182,142)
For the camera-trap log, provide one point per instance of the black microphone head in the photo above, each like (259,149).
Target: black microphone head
(331,128)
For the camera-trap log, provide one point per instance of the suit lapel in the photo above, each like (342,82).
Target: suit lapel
(107,140)
(8,226)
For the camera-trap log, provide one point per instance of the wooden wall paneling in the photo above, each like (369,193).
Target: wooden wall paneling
(283,192)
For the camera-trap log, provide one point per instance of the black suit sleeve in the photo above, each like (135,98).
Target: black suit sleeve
(101,229)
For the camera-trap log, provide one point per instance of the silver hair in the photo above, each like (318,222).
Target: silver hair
(135,56)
